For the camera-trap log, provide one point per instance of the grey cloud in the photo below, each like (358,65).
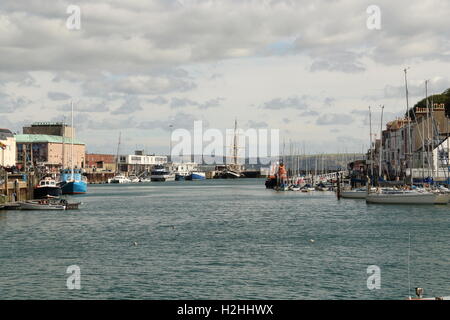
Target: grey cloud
(342,62)
(309,113)
(291,102)
(9,103)
(86,107)
(184,102)
(130,105)
(257,124)
(179,121)
(158,100)
(334,119)
(57,96)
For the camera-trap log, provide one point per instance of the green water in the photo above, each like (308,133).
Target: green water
(222,239)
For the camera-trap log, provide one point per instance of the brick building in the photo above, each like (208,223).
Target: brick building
(100,162)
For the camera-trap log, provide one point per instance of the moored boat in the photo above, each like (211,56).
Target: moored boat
(119,179)
(407,197)
(73,182)
(46,188)
(160,173)
(196,175)
(41,205)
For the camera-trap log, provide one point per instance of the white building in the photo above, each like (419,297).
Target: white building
(138,163)
(7,148)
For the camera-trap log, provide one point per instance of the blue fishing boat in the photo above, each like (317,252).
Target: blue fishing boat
(196,175)
(73,182)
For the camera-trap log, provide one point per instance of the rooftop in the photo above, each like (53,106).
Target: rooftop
(39,138)
(40,124)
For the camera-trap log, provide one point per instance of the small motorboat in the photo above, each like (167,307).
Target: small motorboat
(41,205)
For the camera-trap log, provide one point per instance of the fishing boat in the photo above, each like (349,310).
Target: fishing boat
(161,173)
(72,180)
(46,188)
(196,175)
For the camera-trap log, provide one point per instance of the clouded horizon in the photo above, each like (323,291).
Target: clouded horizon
(308,68)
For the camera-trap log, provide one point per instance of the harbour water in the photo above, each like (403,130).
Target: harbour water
(222,239)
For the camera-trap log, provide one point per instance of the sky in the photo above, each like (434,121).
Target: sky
(143,68)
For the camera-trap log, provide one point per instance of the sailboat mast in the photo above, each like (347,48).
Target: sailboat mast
(408,118)
(71,151)
(64,144)
(117,156)
(381,144)
(235,147)
(370,145)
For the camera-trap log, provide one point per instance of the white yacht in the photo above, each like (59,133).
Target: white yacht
(119,179)
(407,197)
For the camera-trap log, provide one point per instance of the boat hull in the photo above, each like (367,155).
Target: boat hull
(35,206)
(408,198)
(162,178)
(45,192)
(354,194)
(196,176)
(74,187)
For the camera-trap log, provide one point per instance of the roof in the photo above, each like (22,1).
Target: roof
(36,138)
(5,133)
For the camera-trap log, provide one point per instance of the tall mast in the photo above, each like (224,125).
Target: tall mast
(381,143)
(235,143)
(71,151)
(408,118)
(64,143)
(117,157)
(370,145)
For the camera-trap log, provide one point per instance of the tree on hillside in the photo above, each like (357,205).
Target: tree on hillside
(436,98)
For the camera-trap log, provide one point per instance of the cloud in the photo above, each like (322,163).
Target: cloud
(184,102)
(341,61)
(9,103)
(290,102)
(130,105)
(257,124)
(57,96)
(334,119)
(309,113)
(180,120)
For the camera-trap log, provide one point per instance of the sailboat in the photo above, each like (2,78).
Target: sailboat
(118,177)
(72,180)
(233,170)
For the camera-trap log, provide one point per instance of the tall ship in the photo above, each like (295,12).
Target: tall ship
(232,170)
(161,173)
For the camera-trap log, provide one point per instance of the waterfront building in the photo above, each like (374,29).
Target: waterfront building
(49,144)
(100,162)
(139,162)
(53,152)
(7,148)
(429,129)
